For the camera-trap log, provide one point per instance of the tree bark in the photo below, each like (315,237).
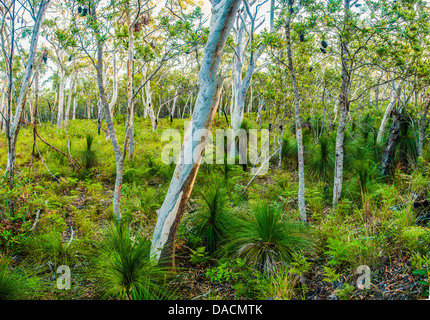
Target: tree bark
(423,127)
(299,134)
(69,98)
(60,95)
(210,88)
(241,84)
(115,84)
(13,128)
(130,99)
(390,146)
(74,109)
(388,110)
(343,112)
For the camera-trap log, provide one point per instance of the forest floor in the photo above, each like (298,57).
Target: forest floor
(78,206)
(392,281)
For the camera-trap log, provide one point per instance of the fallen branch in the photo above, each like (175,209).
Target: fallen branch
(260,168)
(35,220)
(71,237)
(72,161)
(46,166)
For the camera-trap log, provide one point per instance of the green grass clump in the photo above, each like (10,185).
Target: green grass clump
(12,284)
(89,158)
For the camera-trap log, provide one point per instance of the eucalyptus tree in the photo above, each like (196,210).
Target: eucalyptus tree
(10,13)
(289,12)
(403,54)
(53,31)
(210,87)
(92,28)
(247,49)
(348,30)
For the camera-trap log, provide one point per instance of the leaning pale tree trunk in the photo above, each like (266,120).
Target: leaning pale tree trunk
(210,88)
(299,135)
(387,113)
(13,130)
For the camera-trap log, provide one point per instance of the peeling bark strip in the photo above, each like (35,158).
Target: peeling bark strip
(210,84)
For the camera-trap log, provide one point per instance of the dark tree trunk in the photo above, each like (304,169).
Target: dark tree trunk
(391,144)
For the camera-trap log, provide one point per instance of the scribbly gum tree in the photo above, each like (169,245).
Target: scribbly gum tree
(210,88)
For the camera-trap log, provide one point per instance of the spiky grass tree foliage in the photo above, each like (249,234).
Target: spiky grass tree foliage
(289,150)
(125,269)
(211,220)
(321,164)
(406,150)
(267,238)
(12,284)
(89,158)
(246,125)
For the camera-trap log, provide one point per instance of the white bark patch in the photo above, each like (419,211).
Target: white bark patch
(168,222)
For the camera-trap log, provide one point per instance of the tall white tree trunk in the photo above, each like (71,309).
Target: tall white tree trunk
(210,88)
(115,83)
(241,83)
(148,103)
(172,110)
(74,109)
(343,112)
(299,135)
(88,110)
(60,97)
(130,100)
(69,98)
